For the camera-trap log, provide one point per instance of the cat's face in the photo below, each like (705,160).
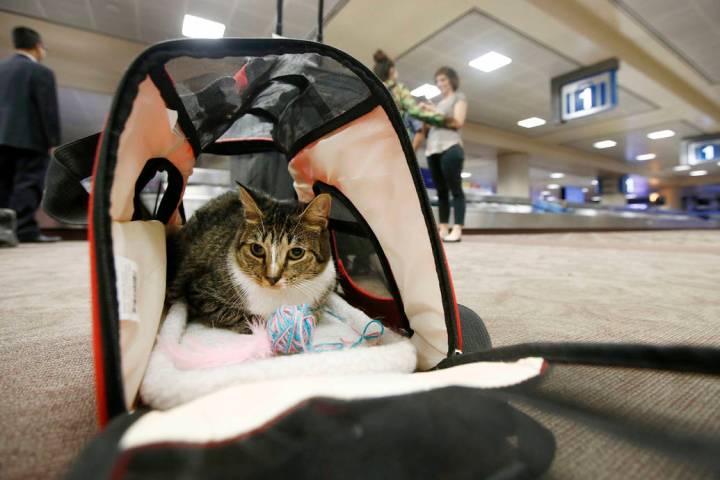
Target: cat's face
(283,245)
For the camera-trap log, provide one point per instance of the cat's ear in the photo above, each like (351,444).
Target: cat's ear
(316,213)
(253,214)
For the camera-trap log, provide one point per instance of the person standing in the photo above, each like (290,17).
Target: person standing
(29,129)
(411,110)
(445,153)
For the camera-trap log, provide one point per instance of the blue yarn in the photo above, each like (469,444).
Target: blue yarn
(364,336)
(291,329)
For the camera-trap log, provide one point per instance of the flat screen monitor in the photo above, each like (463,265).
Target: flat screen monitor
(573,194)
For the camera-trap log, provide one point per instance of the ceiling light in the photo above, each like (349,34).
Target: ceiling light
(553,186)
(490,61)
(681,168)
(198,27)
(466,174)
(426,90)
(545,192)
(585,190)
(698,173)
(604,144)
(594,182)
(531,122)
(596,198)
(557,175)
(660,134)
(645,156)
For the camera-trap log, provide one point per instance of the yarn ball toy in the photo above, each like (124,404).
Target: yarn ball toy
(291,329)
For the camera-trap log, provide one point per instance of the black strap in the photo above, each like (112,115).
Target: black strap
(689,447)
(681,358)
(278,21)
(171,197)
(320,19)
(65,198)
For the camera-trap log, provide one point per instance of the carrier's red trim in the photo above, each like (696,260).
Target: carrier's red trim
(458,324)
(98,351)
(240,77)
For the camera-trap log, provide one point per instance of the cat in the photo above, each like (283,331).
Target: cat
(244,254)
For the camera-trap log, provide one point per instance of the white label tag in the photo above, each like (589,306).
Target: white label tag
(126,273)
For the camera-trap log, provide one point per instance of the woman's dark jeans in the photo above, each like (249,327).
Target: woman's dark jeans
(445,169)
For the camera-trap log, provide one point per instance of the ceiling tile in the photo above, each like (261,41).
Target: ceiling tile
(691,28)
(512,93)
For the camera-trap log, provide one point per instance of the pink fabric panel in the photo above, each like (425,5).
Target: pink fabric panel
(148,134)
(365,161)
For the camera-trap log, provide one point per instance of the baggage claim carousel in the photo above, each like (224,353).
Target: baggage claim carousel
(492,213)
(503,214)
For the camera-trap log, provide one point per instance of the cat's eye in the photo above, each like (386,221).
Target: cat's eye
(296,253)
(257,250)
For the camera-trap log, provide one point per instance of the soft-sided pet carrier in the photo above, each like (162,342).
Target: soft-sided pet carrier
(323,123)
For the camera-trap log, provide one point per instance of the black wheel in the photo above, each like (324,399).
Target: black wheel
(475,336)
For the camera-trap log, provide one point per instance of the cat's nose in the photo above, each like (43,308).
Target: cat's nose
(272,280)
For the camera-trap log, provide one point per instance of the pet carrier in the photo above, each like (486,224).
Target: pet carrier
(469,411)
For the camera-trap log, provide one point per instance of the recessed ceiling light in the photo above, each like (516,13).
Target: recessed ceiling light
(557,175)
(553,186)
(490,61)
(660,134)
(604,144)
(426,90)
(466,174)
(532,122)
(645,156)
(198,27)
(681,168)
(698,173)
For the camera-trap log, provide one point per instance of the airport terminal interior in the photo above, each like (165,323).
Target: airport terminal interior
(511,181)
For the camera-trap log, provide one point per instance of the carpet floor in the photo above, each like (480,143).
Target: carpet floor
(657,287)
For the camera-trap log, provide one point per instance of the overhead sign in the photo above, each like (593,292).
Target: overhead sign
(586,91)
(696,150)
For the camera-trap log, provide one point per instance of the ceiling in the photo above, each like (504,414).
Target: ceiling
(150,21)
(503,97)
(631,143)
(691,28)
(669,73)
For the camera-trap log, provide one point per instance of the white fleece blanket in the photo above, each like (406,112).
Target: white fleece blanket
(166,386)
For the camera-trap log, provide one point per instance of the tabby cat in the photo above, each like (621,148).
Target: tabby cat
(243,255)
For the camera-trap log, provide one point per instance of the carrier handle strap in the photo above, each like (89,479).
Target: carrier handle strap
(279,18)
(320,19)
(679,358)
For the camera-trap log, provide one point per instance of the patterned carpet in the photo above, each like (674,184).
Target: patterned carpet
(650,287)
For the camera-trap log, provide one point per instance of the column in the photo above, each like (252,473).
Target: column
(513,175)
(610,191)
(673,198)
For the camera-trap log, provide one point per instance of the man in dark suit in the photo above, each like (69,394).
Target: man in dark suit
(29,129)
